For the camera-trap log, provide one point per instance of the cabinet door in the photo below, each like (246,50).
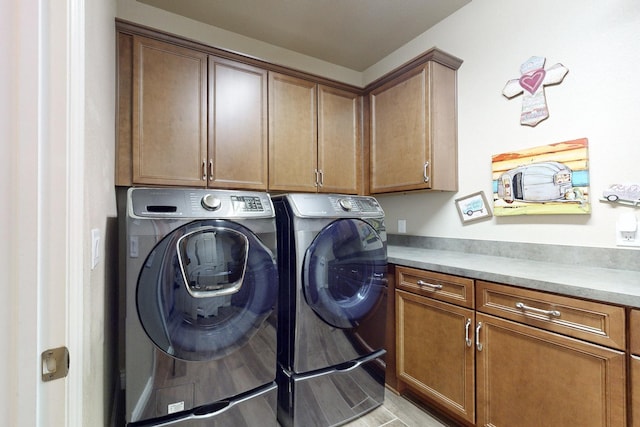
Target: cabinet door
(339,141)
(528,377)
(635,390)
(169,114)
(435,354)
(399,132)
(292,133)
(237,125)
(634,365)
(414,131)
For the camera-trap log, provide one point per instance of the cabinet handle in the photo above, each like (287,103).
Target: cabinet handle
(467,339)
(321,174)
(422,283)
(425,175)
(551,313)
(317,172)
(210,169)
(204,169)
(478,343)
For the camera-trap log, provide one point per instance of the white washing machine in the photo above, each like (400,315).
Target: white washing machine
(201,297)
(332,263)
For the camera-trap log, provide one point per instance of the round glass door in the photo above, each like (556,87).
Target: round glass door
(344,272)
(205,289)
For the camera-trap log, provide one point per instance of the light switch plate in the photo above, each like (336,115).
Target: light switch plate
(95,247)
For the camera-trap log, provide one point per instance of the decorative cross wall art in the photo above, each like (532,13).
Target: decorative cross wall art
(532,82)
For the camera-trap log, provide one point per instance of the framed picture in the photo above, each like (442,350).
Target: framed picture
(548,179)
(473,207)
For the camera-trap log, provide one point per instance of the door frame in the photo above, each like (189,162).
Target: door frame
(43,174)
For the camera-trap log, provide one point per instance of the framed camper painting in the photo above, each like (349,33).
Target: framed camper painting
(473,207)
(550,179)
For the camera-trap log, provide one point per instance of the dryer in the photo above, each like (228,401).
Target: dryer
(201,297)
(332,262)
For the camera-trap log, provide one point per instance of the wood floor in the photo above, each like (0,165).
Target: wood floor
(398,412)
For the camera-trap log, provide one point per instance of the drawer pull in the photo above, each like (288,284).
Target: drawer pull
(551,313)
(422,283)
(467,326)
(478,343)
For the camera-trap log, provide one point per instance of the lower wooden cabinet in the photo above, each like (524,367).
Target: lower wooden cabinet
(528,377)
(634,366)
(434,339)
(511,356)
(435,356)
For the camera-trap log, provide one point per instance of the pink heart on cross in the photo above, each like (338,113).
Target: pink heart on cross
(532,81)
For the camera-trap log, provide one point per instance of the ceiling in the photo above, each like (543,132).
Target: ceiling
(352,33)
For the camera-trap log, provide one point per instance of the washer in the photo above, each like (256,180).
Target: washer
(201,297)
(332,262)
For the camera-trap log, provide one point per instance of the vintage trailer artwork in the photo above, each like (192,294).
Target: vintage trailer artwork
(550,179)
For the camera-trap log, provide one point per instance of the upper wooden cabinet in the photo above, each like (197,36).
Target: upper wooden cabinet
(414,130)
(339,141)
(195,119)
(315,141)
(238,134)
(196,116)
(292,133)
(169,99)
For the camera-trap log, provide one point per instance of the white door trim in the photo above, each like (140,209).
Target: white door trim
(42,188)
(75,218)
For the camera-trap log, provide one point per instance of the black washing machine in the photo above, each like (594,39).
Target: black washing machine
(332,262)
(201,298)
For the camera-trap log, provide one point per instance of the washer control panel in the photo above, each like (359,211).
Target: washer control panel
(247,203)
(198,203)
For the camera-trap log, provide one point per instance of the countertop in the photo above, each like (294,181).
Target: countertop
(595,283)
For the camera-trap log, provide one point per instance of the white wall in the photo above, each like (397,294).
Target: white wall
(133,11)
(100,324)
(598,99)
(596,40)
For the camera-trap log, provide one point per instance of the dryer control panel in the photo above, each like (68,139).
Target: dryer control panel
(335,205)
(198,203)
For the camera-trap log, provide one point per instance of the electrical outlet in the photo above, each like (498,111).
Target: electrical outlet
(627,230)
(402,226)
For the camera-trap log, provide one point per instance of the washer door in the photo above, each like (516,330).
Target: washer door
(205,289)
(344,272)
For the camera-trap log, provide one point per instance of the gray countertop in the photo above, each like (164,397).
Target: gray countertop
(595,283)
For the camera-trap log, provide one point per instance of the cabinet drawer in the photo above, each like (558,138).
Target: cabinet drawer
(591,321)
(443,287)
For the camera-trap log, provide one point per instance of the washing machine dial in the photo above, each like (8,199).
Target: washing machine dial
(211,202)
(345,204)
